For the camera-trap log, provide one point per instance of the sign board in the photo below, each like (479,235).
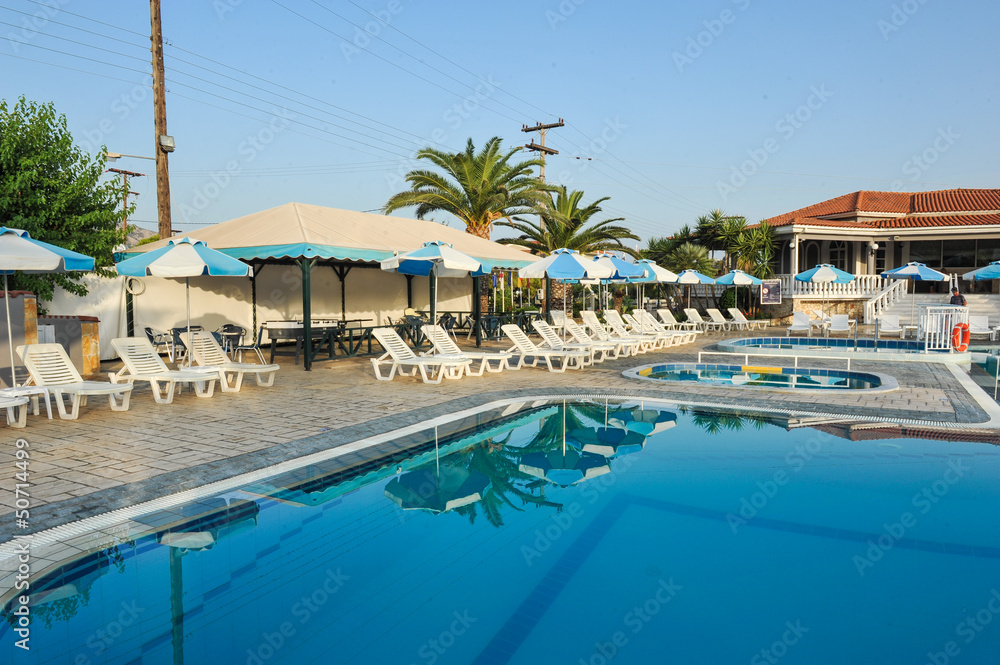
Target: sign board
(770,292)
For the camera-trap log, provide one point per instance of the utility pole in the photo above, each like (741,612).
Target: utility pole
(540,146)
(125,176)
(164,143)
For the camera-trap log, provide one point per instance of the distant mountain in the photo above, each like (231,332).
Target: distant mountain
(137,235)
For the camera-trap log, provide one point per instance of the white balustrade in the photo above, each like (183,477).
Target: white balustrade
(893,292)
(936,323)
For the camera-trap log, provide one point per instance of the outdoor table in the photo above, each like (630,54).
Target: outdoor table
(907,329)
(282,331)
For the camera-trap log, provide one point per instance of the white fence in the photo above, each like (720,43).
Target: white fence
(936,323)
(888,296)
(863,286)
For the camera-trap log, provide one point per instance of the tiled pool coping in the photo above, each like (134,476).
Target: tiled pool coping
(892,350)
(887,383)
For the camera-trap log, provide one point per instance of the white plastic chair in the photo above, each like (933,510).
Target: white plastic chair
(143,363)
(403,360)
(617,325)
(800,323)
(980,325)
(680,336)
(51,368)
(888,324)
(705,326)
(839,323)
(632,345)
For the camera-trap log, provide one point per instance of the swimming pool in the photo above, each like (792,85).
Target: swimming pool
(582,532)
(756,376)
(897,350)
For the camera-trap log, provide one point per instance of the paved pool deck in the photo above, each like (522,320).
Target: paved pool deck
(107,460)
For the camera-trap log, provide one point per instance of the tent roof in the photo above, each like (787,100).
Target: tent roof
(299,230)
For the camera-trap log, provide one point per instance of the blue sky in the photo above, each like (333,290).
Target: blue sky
(756,108)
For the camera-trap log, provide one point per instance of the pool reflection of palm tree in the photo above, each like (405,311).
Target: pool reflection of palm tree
(716,422)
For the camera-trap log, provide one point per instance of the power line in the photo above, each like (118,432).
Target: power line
(83,57)
(74,27)
(48,5)
(72,69)
(386,60)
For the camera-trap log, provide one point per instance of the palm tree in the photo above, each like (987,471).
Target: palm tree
(657,249)
(729,235)
(754,250)
(563,223)
(479,188)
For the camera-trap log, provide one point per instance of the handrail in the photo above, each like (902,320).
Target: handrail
(887,297)
(746,356)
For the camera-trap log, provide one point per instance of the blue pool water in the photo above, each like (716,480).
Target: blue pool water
(585,533)
(762,376)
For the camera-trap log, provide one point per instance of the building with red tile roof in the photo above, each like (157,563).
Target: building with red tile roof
(866,232)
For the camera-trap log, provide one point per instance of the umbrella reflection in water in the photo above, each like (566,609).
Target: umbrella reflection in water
(437,491)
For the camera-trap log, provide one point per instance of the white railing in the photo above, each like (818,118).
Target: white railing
(746,357)
(936,323)
(863,286)
(888,296)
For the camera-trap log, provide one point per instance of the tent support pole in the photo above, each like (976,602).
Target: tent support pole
(409,291)
(306,266)
(342,275)
(253,298)
(477,310)
(432,288)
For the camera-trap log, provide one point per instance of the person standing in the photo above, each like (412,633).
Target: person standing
(957,298)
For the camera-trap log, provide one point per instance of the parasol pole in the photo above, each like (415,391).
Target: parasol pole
(187,290)
(10,331)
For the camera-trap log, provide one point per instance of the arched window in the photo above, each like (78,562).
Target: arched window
(811,255)
(838,254)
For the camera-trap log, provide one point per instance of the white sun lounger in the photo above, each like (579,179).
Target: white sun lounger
(444,345)
(402,359)
(551,340)
(638,327)
(210,357)
(634,345)
(839,323)
(980,325)
(670,322)
(52,369)
(739,318)
(717,318)
(681,336)
(705,326)
(143,363)
(525,348)
(15,418)
(617,326)
(605,349)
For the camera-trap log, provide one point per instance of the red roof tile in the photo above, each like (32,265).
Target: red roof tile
(929,221)
(946,200)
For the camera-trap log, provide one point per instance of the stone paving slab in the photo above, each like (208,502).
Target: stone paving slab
(106,460)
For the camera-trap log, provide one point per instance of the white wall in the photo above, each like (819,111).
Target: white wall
(105,300)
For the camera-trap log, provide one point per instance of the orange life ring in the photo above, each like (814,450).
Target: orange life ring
(960,337)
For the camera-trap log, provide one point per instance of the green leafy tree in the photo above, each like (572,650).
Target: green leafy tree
(53,190)
(690,256)
(658,249)
(479,188)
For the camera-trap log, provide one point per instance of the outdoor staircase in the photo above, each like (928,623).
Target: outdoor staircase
(980,304)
